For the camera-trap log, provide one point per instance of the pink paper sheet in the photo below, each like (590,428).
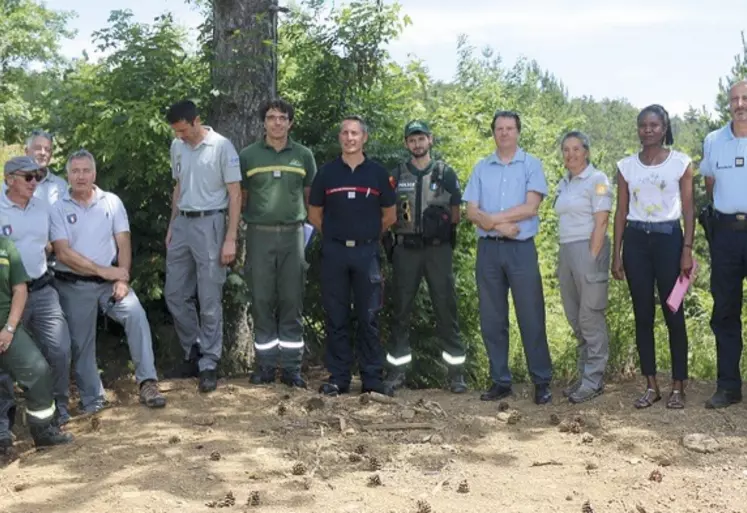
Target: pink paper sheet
(674,301)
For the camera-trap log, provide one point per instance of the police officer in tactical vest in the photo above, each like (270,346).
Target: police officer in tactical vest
(428,199)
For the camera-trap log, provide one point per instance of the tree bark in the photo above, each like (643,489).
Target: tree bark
(243,76)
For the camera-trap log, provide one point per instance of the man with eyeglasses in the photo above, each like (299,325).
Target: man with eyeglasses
(90,232)
(25,219)
(200,243)
(428,199)
(276,178)
(352,203)
(503,196)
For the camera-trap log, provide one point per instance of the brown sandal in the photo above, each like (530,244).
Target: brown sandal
(676,400)
(649,397)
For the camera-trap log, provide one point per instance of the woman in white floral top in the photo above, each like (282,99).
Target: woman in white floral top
(655,190)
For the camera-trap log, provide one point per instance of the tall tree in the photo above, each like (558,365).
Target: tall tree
(738,72)
(243,77)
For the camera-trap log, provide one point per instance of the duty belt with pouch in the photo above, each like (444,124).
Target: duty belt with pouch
(735,222)
(410,241)
(40,282)
(436,223)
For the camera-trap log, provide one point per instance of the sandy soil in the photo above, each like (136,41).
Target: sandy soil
(275,450)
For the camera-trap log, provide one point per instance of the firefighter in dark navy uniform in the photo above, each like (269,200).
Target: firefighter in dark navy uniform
(428,199)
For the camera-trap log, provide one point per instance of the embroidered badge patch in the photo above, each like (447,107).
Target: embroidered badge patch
(72,218)
(601,189)
(7,230)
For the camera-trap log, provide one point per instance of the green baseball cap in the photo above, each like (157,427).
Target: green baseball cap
(17,164)
(417,127)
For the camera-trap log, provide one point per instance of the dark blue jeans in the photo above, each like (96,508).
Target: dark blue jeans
(728,270)
(504,265)
(358,268)
(652,257)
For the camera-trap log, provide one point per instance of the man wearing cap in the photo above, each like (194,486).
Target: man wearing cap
(199,245)
(351,204)
(724,167)
(277,176)
(21,358)
(428,199)
(25,219)
(503,196)
(39,148)
(91,237)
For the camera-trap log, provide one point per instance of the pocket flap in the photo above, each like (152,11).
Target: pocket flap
(597,277)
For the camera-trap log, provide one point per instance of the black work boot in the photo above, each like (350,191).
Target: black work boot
(458,385)
(6,440)
(46,434)
(292,378)
(188,368)
(262,376)
(395,378)
(723,398)
(208,381)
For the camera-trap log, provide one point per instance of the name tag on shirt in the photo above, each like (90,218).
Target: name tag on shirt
(276,174)
(739,161)
(351,194)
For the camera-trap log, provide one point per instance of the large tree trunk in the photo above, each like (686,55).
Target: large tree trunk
(243,74)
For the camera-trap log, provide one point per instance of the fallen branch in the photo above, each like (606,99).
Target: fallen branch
(379,398)
(399,426)
(546,463)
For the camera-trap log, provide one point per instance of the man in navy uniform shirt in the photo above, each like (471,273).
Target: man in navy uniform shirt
(352,202)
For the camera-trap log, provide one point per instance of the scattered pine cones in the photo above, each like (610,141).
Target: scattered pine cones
(514,417)
(253,499)
(215,456)
(95,423)
(554,419)
(656,476)
(463,487)
(298,469)
(374,480)
(424,507)
(374,464)
(360,449)
(174,440)
(575,428)
(586,508)
(355,458)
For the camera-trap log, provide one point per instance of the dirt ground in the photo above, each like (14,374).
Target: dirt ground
(275,450)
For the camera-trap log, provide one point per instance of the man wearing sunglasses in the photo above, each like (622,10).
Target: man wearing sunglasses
(428,199)
(25,219)
(503,196)
(49,187)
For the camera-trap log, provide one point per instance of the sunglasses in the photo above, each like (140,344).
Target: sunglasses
(406,211)
(30,176)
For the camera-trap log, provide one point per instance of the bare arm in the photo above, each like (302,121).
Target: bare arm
(601,220)
(688,206)
(709,183)
(17,304)
(124,251)
(81,265)
(244,198)
(175,200)
(234,210)
(478,217)
(456,214)
(526,210)
(388,217)
(315,217)
(621,213)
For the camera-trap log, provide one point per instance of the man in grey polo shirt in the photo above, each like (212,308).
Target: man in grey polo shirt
(503,196)
(199,246)
(90,231)
(39,147)
(25,219)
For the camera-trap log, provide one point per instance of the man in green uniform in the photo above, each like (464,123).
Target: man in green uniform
(428,199)
(19,355)
(276,177)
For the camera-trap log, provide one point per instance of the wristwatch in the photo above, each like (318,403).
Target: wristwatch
(9,328)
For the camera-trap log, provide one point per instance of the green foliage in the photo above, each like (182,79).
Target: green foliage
(30,37)
(738,72)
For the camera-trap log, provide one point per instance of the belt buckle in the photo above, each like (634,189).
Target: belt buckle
(741,217)
(350,243)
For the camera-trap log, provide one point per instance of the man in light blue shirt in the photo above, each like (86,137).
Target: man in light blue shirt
(724,166)
(503,196)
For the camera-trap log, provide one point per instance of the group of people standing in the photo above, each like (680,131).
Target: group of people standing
(359,208)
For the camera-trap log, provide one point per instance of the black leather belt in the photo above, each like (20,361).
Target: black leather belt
(276,227)
(499,238)
(40,282)
(74,278)
(736,222)
(201,213)
(354,243)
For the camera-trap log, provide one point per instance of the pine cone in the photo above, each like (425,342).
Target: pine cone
(564,426)
(463,487)
(227,501)
(655,476)
(215,456)
(503,406)
(587,508)
(554,419)
(575,428)
(374,480)
(514,417)
(174,440)
(95,423)
(253,499)
(355,458)
(282,409)
(360,449)
(298,469)
(374,463)
(424,507)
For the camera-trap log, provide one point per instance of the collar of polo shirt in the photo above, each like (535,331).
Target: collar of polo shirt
(7,202)
(97,194)
(288,144)
(519,156)
(588,170)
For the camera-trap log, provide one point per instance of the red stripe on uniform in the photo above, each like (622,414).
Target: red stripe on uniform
(362,190)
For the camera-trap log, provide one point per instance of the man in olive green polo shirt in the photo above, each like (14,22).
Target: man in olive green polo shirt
(276,177)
